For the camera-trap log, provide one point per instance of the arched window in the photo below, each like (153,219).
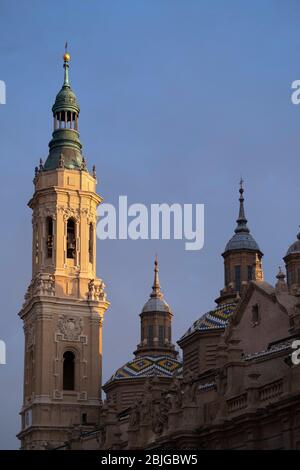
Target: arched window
(91,242)
(237,270)
(71,239)
(227,275)
(84,418)
(161,335)
(36,245)
(255,315)
(49,228)
(30,372)
(292,275)
(150,335)
(69,371)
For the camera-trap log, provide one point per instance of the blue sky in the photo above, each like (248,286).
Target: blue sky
(178,100)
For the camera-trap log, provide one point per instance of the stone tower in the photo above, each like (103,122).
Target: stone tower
(242,258)
(65,302)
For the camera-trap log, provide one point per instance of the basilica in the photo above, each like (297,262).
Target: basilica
(236,386)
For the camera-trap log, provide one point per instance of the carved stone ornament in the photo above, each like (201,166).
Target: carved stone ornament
(89,214)
(70,327)
(41,285)
(43,212)
(96,290)
(69,212)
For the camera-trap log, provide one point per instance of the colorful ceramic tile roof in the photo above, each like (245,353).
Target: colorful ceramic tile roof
(147,366)
(214,319)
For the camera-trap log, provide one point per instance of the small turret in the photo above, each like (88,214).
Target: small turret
(242,258)
(156,323)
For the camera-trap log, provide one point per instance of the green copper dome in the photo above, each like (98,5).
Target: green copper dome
(65,100)
(65,146)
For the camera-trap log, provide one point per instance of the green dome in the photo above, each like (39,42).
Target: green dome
(66,101)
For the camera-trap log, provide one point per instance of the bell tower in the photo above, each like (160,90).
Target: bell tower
(65,302)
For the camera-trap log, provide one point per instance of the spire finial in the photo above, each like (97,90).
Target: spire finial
(241,221)
(156,292)
(280,276)
(66,58)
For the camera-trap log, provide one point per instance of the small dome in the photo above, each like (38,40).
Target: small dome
(242,241)
(155,304)
(148,366)
(65,100)
(295,247)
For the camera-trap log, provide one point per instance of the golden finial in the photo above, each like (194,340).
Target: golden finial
(66,55)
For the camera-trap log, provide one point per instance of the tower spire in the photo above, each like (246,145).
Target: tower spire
(65,137)
(241,220)
(156,291)
(66,58)
(240,270)
(156,323)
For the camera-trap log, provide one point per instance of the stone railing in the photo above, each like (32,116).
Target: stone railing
(237,403)
(265,393)
(269,391)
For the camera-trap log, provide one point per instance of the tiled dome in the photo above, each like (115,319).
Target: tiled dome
(214,319)
(148,366)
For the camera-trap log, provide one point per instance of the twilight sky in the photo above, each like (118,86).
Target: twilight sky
(179,98)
